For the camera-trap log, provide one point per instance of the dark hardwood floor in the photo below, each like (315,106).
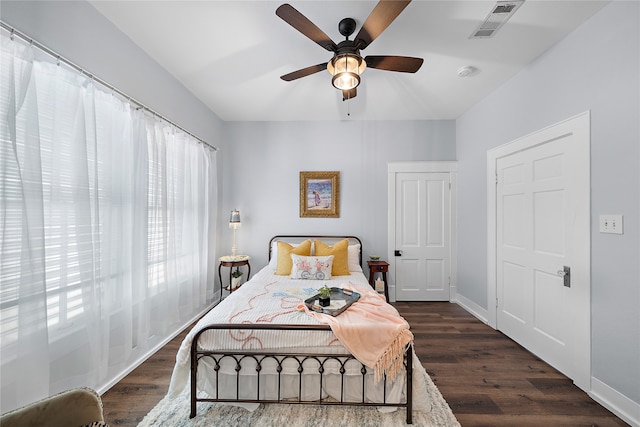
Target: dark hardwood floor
(487,379)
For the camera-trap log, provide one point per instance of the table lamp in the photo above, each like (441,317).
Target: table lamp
(234,222)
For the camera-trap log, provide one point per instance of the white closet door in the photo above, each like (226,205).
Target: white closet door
(542,215)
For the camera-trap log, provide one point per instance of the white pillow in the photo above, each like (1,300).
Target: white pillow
(311,267)
(353,258)
(273,261)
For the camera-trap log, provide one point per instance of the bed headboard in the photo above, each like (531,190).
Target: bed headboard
(297,238)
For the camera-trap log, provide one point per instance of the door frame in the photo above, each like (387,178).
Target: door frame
(580,126)
(444,166)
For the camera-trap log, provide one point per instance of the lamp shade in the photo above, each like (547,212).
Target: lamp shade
(346,70)
(234,219)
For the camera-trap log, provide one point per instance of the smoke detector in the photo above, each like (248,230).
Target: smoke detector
(501,12)
(466,71)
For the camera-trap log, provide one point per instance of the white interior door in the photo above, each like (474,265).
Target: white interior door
(422,236)
(542,279)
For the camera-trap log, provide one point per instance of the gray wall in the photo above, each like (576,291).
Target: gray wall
(596,68)
(263,160)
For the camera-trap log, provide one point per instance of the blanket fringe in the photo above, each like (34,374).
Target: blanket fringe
(391,361)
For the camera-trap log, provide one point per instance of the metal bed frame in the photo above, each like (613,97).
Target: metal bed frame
(306,362)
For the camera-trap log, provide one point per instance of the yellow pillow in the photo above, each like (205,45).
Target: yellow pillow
(284,255)
(340,256)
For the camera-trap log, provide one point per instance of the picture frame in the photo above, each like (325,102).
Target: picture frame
(319,194)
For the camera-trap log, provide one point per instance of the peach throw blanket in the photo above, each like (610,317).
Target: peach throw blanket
(372,330)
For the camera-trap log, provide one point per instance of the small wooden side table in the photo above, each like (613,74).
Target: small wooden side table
(379,267)
(232,261)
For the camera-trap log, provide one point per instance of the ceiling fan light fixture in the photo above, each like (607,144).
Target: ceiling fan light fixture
(346,69)
(345,81)
(346,66)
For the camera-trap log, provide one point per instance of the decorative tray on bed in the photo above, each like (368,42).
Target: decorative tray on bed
(341,299)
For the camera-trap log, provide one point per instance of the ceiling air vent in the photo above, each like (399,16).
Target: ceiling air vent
(500,14)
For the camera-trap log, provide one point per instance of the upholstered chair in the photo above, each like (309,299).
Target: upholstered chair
(72,408)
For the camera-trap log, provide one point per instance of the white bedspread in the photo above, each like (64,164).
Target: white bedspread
(271,299)
(266,298)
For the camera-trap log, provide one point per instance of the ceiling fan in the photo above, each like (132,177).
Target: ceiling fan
(347,65)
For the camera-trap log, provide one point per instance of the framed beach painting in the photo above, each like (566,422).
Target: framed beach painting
(319,194)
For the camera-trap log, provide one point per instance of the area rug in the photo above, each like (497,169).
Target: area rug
(175,413)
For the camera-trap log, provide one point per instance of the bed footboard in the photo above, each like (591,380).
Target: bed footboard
(316,368)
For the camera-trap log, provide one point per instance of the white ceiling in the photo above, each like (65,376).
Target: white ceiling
(231,54)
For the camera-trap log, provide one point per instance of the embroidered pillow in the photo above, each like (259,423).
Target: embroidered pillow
(284,255)
(311,267)
(339,252)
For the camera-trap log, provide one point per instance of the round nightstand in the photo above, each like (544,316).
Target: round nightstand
(233,261)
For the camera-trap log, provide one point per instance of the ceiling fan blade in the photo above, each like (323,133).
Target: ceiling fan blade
(301,23)
(304,72)
(385,12)
(349,94)
(403,64)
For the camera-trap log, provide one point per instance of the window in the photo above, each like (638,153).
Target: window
(106,218)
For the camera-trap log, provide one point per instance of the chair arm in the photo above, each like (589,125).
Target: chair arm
(75,407)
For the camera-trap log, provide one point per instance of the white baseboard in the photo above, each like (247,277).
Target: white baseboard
(481,313)
(616,402)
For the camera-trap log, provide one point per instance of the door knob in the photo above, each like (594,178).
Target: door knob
(565,273)
(397,253)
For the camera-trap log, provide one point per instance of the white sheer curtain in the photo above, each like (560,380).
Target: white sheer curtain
(106,223)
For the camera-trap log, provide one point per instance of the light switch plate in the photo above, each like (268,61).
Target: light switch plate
(611,224)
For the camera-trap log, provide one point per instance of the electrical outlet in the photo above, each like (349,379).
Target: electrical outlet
(611,224)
